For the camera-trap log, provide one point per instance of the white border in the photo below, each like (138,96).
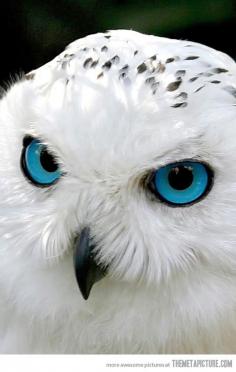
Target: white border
(107,363)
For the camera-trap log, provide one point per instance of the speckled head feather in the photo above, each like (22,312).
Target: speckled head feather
(172,69)
(107,115)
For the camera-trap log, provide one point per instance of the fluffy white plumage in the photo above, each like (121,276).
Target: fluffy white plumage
(112,108)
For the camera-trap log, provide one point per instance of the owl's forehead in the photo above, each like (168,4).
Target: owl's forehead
(171,69)
(107,76)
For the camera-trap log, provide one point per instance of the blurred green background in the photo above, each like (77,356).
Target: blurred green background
(33,32)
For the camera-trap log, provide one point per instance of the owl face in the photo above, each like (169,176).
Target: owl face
(126,140)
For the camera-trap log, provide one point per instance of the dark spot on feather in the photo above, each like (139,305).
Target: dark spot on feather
(104,48)
(124,68)
(115,59)
(180,73)
(107,65)
(215,81)
(107,36)
(94,64)
(191,58)
(141,68)
(182,104)
(198,89)
(173,86)
(125,79)
(88,62)
(100,75)
(183,95)
(150,80)
(122,75)
(207,74)
(135,52)
(153,58)
(219,70)
(169,60)
(193,79)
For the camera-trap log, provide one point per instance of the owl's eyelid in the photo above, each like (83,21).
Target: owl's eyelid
(149,174)
(195,159)
(27,139)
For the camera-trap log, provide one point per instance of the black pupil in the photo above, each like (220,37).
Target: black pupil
(47,161)
(180,177)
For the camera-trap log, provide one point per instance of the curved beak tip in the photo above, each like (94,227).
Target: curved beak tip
(87,271)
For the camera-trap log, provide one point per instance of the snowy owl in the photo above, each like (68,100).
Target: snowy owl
(118,200)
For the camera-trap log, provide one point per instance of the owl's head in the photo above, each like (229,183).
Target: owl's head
(120,153)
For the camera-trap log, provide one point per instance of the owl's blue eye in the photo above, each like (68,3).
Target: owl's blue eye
(182,183)
(38,165)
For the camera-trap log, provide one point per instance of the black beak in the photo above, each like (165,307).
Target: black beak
(87,271)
